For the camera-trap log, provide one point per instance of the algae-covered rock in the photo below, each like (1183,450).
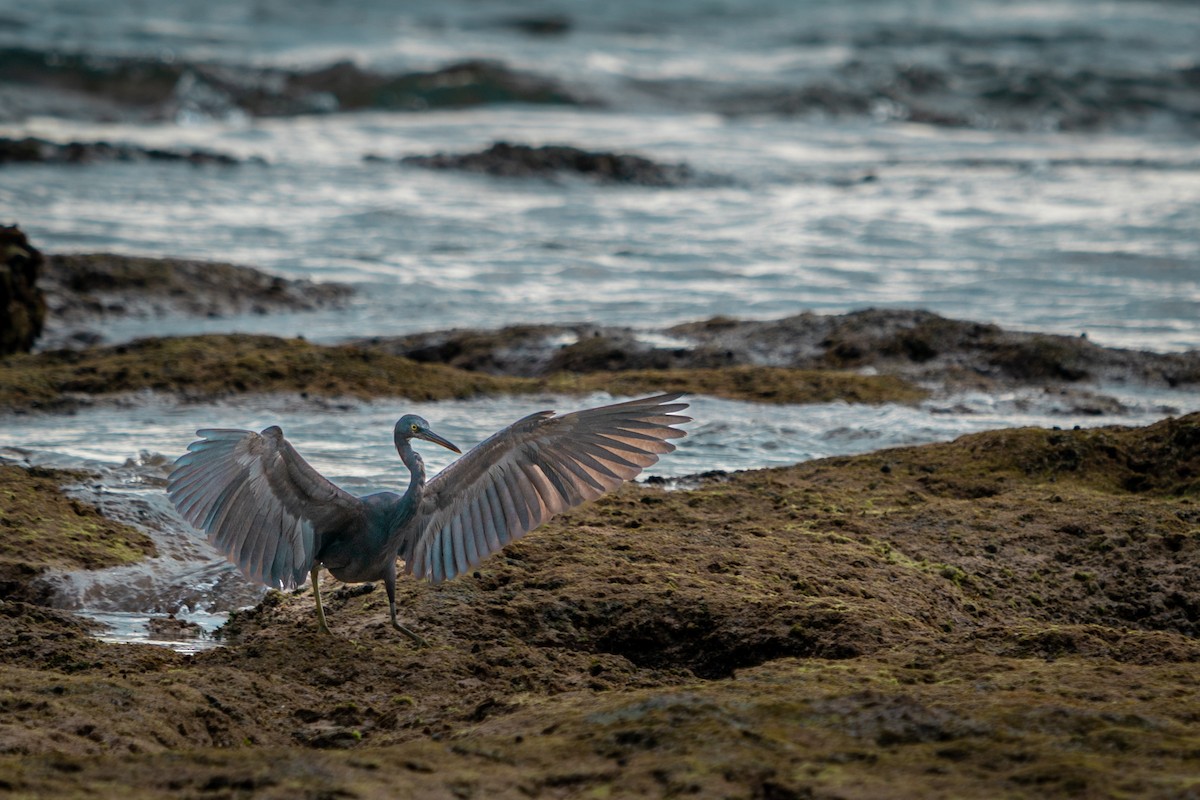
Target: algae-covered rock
(218,365)
(43,528)
(986,617)
(205,367)
(921,344)
(21,301)
(911,344)
(757,384)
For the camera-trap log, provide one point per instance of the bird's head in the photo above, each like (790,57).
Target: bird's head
(411,426)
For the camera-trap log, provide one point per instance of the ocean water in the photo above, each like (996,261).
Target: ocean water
(1036,165)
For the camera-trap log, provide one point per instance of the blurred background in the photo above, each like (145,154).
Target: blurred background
(1029,164)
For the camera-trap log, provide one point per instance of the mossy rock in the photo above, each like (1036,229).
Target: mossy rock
(757,384)
(218,365)
(42,528)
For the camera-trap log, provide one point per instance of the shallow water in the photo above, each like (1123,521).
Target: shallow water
(1058,191)
(1057,233)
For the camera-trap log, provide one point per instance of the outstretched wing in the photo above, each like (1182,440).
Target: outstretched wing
(530,471)
(260,503)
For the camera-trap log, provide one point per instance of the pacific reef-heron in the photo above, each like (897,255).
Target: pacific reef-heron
(279,520)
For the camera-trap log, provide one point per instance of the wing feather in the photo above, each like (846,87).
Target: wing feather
(462,544)
(493,519)
(520,502)
(478,526)
(499,522)
(256,540)
(446,565)
(535,468)
(589,482)
(259,502)
(570,496)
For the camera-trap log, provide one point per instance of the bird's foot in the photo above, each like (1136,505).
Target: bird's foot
(416,637)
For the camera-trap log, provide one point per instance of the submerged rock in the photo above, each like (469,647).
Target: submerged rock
(523,161)
(539,25)
(171,628)
(33,150)
(22,306)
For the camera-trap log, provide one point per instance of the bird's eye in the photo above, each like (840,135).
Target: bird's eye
(415,427)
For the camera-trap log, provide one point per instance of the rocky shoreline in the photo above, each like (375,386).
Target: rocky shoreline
(868,356)
(916,345)
(1014,613)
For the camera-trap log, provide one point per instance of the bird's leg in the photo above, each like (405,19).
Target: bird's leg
(321,626)
(389,583)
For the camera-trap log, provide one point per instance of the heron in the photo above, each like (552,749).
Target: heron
(280,521)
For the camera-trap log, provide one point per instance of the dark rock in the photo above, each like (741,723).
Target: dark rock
(912,344)
(523,350)
(123,82)
(24,308)
(522,161)
(541,350)
(549,25)
(84,289)
(921,344)
(33,150)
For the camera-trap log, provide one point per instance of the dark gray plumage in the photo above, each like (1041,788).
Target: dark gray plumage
(278,519)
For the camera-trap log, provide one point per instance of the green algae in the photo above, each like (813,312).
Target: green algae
(757,384)
(220,365)
(202,367)
(42,527)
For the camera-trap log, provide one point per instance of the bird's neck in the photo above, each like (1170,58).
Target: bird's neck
(416,465)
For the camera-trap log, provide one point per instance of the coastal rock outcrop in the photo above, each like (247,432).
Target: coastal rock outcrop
(32,150)
(84,290)
(21,301)
(524,161)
